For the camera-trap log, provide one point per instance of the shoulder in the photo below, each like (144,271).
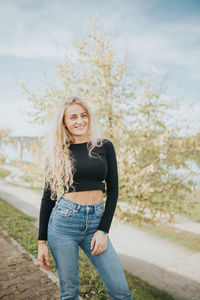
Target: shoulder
(107,142)
(109,146)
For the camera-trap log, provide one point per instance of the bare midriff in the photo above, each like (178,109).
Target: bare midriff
(85,197)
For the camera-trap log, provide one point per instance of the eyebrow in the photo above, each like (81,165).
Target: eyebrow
(76,114)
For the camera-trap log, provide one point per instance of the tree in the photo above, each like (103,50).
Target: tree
(4,140)
(132,113)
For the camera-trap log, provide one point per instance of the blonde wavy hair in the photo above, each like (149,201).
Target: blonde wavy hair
(59,161)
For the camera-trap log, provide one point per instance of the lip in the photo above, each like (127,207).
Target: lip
(80,127)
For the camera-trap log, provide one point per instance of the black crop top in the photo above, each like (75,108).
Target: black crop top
(90,174)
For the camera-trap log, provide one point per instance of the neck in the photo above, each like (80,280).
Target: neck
(81,141)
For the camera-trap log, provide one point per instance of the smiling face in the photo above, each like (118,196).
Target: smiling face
(76,120)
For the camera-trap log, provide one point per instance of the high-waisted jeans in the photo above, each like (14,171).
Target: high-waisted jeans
(72,225)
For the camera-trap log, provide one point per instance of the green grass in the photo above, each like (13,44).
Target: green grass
(194,213)
(21,227)
(4,173)
(26,178)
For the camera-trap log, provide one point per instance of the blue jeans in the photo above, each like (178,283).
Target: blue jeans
(72,225)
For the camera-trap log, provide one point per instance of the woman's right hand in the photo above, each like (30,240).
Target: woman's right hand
(43,256)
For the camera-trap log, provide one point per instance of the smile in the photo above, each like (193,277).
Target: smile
(80,126)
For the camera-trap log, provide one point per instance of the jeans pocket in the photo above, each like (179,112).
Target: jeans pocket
(64,211)
(99,210)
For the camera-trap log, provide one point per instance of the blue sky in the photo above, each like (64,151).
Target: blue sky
(163,36)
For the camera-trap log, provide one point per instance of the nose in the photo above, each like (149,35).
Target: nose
(79,120)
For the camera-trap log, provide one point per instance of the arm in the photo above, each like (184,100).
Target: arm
(112,188)
(45,210)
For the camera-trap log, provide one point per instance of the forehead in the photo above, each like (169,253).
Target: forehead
(74,109)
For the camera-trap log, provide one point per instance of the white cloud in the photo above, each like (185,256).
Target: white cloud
(48,30)
(13,115)
(174,43)
(35,34)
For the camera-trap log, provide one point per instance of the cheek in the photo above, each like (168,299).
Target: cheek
(70,125)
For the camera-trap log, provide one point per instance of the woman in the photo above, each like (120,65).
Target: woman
(81,161)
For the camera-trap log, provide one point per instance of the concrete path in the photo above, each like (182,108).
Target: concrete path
(186,224)
(161,263)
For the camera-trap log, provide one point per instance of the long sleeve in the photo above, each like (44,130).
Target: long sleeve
(112,188)
(45,210)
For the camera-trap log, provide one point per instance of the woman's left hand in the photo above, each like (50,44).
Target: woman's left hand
(99,240)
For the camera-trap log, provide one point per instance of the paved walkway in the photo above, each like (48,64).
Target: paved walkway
(163,264)
(19,277)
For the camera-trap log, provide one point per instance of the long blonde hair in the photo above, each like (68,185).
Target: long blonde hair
(59,163)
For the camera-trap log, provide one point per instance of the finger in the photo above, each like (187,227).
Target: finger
(101,249)
(93,242)
(47,260)
(41,264)
(44,266)
(48,263)
(99,252)
(42,260)
(95,251)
